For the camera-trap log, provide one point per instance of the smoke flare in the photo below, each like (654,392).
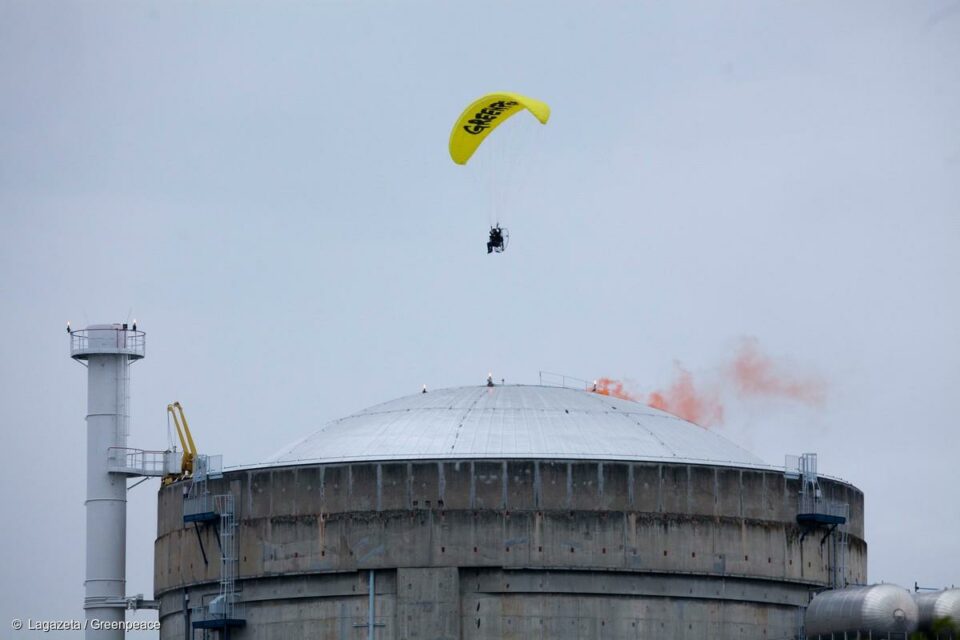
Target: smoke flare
(749,374)
(615,388)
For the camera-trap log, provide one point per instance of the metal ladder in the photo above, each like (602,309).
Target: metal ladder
(814,511)
(228,555)
(838,574)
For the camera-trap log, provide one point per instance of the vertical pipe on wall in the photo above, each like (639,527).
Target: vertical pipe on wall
(371,607)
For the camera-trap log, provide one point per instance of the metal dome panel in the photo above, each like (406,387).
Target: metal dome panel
(515,421)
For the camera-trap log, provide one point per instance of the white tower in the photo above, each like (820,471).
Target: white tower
(108,350)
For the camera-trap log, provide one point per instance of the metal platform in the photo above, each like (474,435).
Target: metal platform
(200,508)
(220,623)
(820,519)
(816,513)
(142,463)
(204,516)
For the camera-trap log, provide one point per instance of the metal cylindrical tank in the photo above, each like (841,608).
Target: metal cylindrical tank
(878,609)
(108,350)
(938,605)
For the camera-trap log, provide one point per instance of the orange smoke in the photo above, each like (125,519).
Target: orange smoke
(682,398)
(750,374)
(615,388)
(755,374)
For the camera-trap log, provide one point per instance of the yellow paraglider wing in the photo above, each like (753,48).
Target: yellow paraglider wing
(485,115)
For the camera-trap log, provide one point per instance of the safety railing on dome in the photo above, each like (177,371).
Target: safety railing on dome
(550,379)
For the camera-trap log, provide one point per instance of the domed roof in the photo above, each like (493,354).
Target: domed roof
(513,421)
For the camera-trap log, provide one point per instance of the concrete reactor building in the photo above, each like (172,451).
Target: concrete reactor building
(504,512)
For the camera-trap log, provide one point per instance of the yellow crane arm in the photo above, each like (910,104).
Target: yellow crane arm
(186,438)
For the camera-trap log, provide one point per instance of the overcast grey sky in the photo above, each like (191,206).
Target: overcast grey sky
(266,188)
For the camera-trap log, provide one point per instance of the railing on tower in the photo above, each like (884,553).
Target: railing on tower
(140,462)
(123,341)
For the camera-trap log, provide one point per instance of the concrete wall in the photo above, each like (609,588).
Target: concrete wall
(484,549)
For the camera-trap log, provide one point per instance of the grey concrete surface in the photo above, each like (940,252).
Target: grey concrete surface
(508,549)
